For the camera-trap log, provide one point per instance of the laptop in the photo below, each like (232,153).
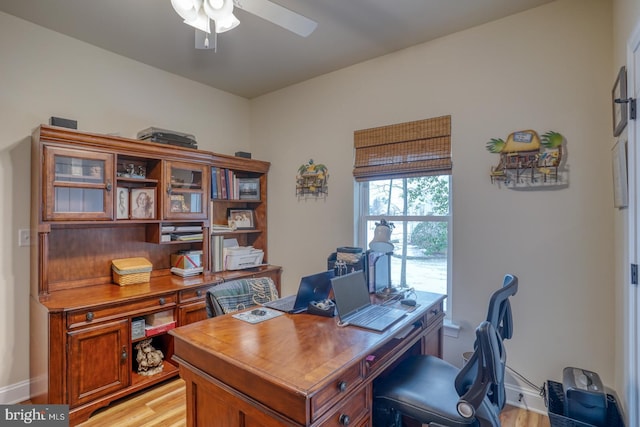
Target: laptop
(312,288)
(354,305)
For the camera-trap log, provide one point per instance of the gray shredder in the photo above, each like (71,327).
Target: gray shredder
(585,398)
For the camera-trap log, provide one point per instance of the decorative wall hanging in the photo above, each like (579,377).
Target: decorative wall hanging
(311,180)
(619,102)
(528,161)
(620,191)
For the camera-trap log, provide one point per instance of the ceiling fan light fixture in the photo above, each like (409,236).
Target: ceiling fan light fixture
(201,22)
(187,9)
(227,23)
(216,9)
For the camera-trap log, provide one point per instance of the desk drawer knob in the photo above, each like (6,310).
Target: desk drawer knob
(90,316)
(162,301)
(342,386)
(199,292)
(344,419)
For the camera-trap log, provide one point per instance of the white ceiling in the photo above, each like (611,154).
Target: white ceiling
(258,57)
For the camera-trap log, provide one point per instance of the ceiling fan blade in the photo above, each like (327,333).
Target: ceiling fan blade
(279,15)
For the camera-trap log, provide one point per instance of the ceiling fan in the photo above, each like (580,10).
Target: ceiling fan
(200,13)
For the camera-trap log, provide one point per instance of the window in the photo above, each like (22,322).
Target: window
(420,210)
(404,177)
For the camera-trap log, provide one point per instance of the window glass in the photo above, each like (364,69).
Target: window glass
(419,209)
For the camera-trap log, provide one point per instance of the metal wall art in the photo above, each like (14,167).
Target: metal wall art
(311,181)
(528,161)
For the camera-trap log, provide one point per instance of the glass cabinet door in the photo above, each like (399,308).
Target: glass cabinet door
(78,185)
(187,186)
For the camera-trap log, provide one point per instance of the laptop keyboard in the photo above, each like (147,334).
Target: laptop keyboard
(370,314)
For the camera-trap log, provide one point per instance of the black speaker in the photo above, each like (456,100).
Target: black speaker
(65,123)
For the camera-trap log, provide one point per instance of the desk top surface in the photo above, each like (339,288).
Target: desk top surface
(297,350)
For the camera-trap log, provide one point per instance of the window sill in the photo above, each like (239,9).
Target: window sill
(451,329)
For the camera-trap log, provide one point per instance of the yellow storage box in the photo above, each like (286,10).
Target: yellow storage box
(129,271)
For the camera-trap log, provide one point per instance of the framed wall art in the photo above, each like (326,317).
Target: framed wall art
(619,102)
(620,189)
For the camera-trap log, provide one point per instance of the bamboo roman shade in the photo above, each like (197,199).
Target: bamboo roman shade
(403,150)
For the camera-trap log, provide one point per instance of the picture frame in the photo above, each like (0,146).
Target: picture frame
(122,203)
(240,219)
(619,102)
(249,188)
(620,184)
(143,203)
(178,204)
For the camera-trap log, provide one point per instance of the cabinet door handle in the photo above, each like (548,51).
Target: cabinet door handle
(109,186)
(123,355)
(169,189)
(90,316)
(344,419)
(162,301)
(199,292)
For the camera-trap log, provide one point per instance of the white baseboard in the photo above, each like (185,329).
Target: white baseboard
(530,399)
(14,393)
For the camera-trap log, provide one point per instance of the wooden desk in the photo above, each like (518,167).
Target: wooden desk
(294,370)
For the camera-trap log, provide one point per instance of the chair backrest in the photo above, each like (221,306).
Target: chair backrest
(488,364)
(239,294)
(499,313)
(499,316)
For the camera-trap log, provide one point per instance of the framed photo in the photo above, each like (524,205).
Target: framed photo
(241,219)
(620,191)
(122,203)
(249,188)
(143,203)
(178,204)
(619,102)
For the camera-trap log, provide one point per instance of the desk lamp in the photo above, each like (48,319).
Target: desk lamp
(381,243)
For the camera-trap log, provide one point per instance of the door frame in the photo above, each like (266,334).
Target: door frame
(630,292)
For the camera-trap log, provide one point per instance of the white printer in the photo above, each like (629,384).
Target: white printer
(241,257)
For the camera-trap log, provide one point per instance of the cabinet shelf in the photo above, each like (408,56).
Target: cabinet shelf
(141,381)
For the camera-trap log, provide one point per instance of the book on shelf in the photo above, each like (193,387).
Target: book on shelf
(186,272)
(186,237)
(217,253)
(187,229)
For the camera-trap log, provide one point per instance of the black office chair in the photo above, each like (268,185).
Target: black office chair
(434,392)
(410,389)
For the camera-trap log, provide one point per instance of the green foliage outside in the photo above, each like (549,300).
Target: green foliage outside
(430,237)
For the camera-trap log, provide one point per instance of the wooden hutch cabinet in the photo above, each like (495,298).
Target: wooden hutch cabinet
(96,198)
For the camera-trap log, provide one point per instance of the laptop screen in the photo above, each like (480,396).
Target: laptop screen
(351,292)
(316,287)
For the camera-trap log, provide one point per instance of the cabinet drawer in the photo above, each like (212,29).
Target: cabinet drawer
(336,390)
(193,294)
(83,317)
(350,411)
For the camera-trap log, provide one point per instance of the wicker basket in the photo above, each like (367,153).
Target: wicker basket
(129,271)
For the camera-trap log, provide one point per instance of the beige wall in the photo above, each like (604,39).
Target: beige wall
(545,69)
(45,74)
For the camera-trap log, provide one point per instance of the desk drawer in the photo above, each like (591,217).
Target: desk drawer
(351,410)
(434,313)
(336,390)
(83,317)
(193,294)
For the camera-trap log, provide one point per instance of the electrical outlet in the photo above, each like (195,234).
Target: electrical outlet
(24,237)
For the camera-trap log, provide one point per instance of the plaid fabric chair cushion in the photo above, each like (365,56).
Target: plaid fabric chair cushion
(236,295)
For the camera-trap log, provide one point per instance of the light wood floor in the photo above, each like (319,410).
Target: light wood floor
(164,406)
